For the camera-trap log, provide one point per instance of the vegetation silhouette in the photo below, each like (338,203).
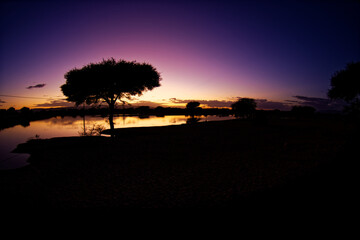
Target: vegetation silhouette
(192,120)
(25,111)
(94,130)
(11,111)
(244,108)
(345,85)
(109,81)
(15,117)
(286,160)
(159,111)
(192,105)
(143,111)
(192,108)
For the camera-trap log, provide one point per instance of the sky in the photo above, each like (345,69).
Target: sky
(277,52)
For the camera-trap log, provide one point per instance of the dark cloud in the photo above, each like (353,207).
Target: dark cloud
(264,104)
(1,101)
(146,103)
(207,103)
(41,85)
(56,103)
(261,103)
(321,104)
(64,103)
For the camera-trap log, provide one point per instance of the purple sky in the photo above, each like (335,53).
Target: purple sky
(205,50)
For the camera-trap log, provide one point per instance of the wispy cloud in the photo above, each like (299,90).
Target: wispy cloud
(207,103)
(261,103)
(1,101)
(146,103)
(265,104)
(55,103)
(321,104)
(41,85)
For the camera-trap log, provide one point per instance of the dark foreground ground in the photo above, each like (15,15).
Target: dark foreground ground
(238,164)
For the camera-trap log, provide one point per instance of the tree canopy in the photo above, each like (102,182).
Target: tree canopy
(345,84)
(244,107)
(192,105)
(109,80)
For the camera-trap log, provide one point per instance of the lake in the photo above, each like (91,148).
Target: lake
(74,126)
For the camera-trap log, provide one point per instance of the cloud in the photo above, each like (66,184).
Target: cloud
(1,101)
(145,103)
(264,104)
(261,103)
(41,85)
(321,104)
(64,103)
(56,103)
(207,103)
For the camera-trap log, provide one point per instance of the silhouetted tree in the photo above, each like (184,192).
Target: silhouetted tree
(345,85)
(143,111)
(244,107)
(191,107)
(109,81)
(160,111)
(25,111)
(11,111)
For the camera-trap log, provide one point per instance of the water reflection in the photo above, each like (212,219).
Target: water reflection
(74,126)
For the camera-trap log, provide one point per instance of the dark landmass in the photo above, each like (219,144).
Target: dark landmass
(306,163)
(12,117)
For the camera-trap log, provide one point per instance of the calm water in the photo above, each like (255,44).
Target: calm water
(73,126)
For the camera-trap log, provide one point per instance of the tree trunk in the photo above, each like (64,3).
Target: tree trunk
(111,120)
(84,120)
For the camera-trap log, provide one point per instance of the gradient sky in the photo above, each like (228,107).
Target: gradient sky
(204,50)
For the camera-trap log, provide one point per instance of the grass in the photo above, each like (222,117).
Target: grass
(211,164)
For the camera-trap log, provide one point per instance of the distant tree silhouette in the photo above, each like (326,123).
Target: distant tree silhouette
(25,111)
(160,111)
(191,107)
(11,111)
(244,107)
(345,85)
(143,111)
(109,81)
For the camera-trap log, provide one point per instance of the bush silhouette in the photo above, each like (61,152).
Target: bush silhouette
(25,111)
(192,105)
(244,107)
(345,85)
(11,111)
(191,108)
